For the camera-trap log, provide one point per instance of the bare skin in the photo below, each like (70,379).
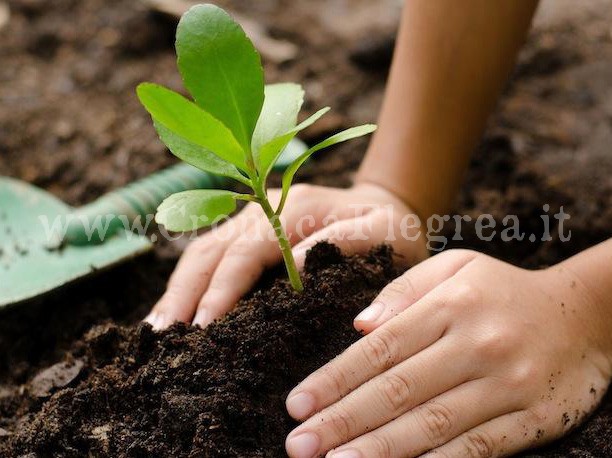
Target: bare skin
(449,67)
(464,355)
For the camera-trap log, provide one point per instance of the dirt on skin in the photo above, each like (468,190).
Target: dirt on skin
(70,123)
(130,391)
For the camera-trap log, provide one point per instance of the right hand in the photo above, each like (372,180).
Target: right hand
(222,265)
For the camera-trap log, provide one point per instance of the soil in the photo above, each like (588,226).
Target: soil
(130,391)
(70,123)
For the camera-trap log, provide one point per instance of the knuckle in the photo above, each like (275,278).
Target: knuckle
(335,379)
(379,349)
(401,286)
(395,390)
(466,294)
(479,444)
(341,423)
(523,375)
(496,343)
(437,422)
(381,445)
(241,248)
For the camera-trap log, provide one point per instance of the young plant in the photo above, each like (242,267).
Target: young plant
(236,126)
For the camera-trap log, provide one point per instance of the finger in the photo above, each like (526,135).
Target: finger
(503,436)
(194,271)
(187,283)
(357,235)
(388,396)
(352,236)
(243,262)
(432,424)
(411,287)
(401,337)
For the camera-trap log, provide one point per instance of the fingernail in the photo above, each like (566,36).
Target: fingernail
(202,317)
(301,405)
(305,445)
(157,320)
(350,453)
(150,318)
(372,313)
(160,322)
(299,254)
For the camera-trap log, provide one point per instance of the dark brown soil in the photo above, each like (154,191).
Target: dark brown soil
(128,391)
(70,123)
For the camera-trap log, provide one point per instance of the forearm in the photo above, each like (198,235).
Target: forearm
(451,62)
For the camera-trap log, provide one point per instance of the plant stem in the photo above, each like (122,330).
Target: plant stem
(283,241)
(285,246)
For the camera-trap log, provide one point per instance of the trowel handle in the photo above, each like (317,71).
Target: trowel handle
(140,198)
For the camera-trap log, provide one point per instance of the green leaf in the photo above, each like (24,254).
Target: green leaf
(279,114)
(270,152)
(191,210)
(198,156)
(340,137)
(221,69)
(186,119)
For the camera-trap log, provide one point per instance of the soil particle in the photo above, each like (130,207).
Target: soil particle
(565,419)
(193,392)
(57,376)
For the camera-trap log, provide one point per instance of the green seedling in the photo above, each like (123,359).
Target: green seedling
(235,126)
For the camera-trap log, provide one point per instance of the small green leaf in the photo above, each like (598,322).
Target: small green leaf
(270,152)
(279,114)
(191,210)
(221,69)
(340,137)
(186,119)
(198,156)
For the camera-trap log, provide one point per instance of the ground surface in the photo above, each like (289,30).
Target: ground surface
(70,123)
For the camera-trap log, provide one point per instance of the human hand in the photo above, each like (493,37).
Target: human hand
(465,356)
(224,264)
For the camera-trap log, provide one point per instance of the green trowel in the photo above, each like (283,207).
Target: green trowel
(45,244)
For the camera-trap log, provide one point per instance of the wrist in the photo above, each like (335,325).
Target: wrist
(364,179)
(583,301)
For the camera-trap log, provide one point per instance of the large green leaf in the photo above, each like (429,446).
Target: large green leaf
(340,137)
(186,119)
(279,114)
(270,152)
(191,210)
(221,69)
(198,156)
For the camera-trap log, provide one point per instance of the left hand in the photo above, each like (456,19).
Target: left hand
(465,356)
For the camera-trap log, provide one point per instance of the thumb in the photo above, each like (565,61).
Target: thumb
(360,234)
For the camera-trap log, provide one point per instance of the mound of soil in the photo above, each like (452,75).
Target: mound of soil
(130,391)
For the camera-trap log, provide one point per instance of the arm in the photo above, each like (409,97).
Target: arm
(451,62)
